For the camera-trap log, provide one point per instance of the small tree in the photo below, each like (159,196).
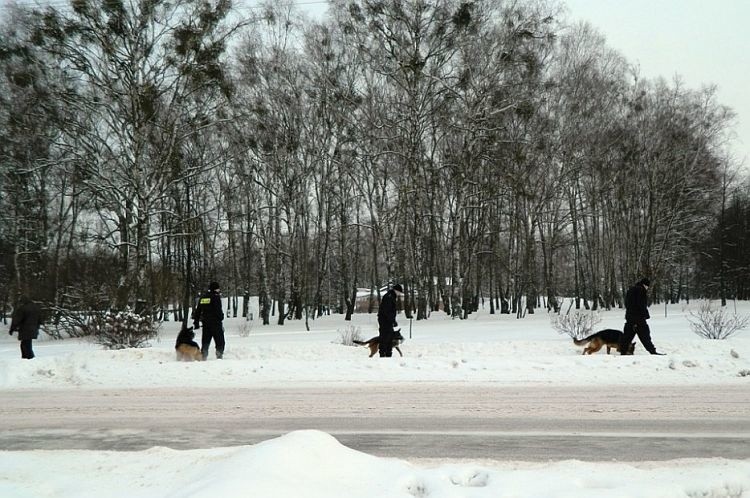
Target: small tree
(123,330)
(715,323)
(577,325)
(349,334)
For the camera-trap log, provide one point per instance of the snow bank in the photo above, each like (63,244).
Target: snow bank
(311,464)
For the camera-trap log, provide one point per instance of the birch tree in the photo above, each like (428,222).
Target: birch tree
(135,66)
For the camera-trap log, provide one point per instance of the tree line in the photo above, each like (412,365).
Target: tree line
(481,153)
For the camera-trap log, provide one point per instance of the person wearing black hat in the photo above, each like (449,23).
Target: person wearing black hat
(209,311)
(636,314)
(387,320)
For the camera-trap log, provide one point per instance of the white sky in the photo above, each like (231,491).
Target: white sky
(703,42)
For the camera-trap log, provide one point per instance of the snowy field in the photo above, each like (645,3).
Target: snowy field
(484,349)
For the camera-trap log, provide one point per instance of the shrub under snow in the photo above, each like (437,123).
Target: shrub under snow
(125,329)
(712,323)
(577,325)
(349,334)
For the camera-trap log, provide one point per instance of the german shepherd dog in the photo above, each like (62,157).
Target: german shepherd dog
(374,343)
(607,337)
(186,348)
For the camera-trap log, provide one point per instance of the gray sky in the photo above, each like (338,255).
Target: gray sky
(704,42)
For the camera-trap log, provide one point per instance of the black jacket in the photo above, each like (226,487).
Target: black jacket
(208,310)
(27,318)
(636,304)
(387,309)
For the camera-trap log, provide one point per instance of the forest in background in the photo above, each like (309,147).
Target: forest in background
(473,151)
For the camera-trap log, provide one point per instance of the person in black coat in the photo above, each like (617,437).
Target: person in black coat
(209,312)
(387,320)
(27,318)
(636,314)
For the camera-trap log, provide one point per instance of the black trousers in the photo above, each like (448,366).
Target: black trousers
(385,340)
(27,352)
(213,331)
(644,335)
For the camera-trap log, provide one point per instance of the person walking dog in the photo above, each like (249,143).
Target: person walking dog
(636,314)
(209,312)
(387,319)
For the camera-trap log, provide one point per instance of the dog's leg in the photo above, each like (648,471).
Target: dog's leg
(399,351)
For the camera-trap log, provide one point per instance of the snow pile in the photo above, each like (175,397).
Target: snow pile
(311,464)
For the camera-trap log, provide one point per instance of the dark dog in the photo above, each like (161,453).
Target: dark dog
(186,348)
(607,337)
(374,343)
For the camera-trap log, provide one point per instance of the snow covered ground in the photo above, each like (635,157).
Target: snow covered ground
(312,464)
(484,349)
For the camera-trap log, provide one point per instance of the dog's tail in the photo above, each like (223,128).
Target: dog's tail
(361,343)
(581,342)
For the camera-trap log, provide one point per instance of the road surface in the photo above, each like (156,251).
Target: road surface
(410,421)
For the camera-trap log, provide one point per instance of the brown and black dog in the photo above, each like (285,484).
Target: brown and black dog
(374,343)
(607,337)
(186,348)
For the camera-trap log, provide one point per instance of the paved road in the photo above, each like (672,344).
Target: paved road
(405,420)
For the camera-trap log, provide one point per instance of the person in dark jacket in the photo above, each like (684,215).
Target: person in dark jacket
(27,318)
(636,314)
(387,319)
(209,312)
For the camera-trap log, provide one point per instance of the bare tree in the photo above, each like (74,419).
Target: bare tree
(136,66)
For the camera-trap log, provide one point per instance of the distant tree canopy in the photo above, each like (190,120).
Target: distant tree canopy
(481,153)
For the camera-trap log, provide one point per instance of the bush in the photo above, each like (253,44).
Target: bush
(122,330)
(348,335)
(711,323)
(65,322)
(246,328)
(77,308)
(577,325)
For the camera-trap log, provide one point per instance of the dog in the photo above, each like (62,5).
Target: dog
(607,337)
(186,348)
(374,343)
